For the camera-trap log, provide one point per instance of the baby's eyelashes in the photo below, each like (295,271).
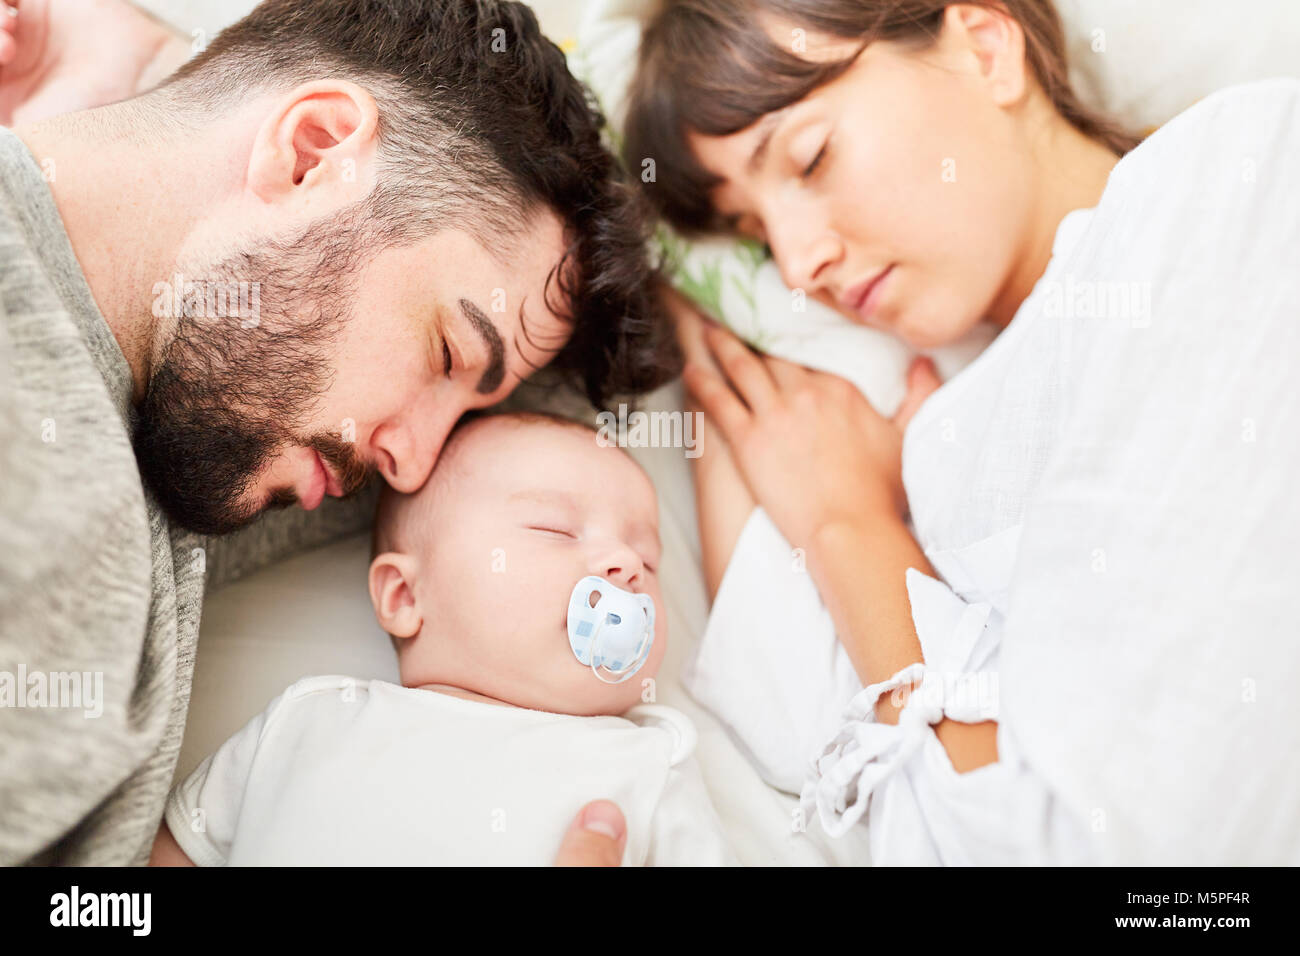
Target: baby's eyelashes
(559,532)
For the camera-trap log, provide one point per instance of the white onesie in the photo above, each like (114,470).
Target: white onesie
(339,771)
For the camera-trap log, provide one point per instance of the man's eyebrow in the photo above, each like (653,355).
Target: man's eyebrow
(495,373)
(766,128)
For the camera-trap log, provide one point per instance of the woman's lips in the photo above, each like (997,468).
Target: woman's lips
(864,298)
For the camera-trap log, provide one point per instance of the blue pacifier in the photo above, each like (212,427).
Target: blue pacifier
(610,630)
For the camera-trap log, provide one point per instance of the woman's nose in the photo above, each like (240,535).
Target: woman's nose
(804,255)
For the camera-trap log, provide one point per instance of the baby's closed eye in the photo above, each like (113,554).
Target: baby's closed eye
(552,530)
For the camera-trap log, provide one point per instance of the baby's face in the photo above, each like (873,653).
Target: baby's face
(523,511)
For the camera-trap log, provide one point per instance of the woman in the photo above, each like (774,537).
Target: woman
(923,168)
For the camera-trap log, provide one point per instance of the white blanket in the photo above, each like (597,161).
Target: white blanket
(345,772)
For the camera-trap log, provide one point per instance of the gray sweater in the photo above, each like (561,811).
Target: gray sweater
(93,579)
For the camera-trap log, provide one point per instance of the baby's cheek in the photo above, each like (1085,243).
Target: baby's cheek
(586,694)
(647,678)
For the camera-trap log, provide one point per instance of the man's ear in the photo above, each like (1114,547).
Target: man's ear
(392,592)
(321,135)
(997,41)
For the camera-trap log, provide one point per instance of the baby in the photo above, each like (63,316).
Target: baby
(520,589)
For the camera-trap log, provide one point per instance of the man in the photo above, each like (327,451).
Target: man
(299,260)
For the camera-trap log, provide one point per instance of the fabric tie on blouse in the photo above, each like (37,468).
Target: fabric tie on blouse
(958,683)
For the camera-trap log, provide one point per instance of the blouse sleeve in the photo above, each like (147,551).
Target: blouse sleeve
(919,809)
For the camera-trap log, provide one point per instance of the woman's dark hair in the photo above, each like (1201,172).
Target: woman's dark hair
(481,123)
(711,67)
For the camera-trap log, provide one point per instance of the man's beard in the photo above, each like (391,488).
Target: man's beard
(225,399)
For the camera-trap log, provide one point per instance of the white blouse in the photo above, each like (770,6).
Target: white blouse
(1109,494)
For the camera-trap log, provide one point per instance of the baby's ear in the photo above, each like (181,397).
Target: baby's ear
(392,592)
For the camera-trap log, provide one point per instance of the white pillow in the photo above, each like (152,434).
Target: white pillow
(1144,63)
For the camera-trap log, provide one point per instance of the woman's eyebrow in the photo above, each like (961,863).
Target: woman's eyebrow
(767,127)
(495,372)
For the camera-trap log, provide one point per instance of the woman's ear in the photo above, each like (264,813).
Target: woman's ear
(997,41)
(321,135)
(392,592)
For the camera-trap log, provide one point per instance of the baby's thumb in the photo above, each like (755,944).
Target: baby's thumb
(922,382)
(595,838)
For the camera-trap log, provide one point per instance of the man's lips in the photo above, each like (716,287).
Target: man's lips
(333,486)
(864,297)
(321,483)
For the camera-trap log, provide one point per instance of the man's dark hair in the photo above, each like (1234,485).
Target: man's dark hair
(481,124)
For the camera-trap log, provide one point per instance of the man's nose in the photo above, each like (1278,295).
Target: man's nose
(406,448)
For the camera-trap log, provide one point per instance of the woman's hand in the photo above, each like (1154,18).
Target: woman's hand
(60,56)
(812,450)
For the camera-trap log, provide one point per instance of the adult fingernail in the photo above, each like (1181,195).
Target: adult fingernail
(604,818)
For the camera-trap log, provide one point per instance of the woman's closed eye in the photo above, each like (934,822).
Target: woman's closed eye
(816,162)
(808,148)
